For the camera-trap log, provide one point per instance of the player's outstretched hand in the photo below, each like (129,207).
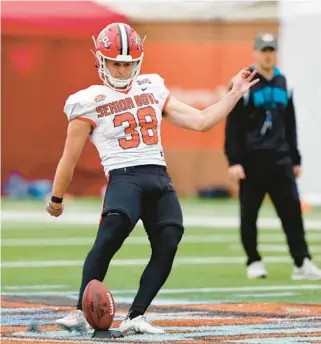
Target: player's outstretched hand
(243,81)
(54,209)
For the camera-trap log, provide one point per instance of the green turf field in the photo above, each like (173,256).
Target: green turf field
(40,253)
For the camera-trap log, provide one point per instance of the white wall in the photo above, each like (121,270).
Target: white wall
(194,10)
(300,60)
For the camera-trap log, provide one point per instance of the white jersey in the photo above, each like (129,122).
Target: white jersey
(127,125)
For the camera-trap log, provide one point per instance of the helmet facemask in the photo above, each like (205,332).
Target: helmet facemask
(112,82)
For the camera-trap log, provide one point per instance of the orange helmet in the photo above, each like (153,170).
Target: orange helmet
(118,42)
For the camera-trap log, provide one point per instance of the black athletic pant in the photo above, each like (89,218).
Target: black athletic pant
(144,192)
(278,180)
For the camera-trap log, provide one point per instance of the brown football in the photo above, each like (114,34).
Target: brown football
(98,305)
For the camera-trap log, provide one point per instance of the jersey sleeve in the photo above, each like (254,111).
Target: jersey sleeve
(76,107)
(163,93)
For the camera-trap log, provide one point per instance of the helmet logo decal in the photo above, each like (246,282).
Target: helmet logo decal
(105,41)
(138,43)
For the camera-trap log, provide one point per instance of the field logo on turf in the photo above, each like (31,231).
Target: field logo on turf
(250,323)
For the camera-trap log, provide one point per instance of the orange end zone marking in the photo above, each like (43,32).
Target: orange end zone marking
(267,308)
(216,317)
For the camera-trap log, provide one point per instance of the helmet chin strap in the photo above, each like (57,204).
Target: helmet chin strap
(118,83)
(114,83)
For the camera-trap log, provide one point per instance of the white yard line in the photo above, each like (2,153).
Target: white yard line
(274,248)
(36,287)
(227,289)
(140,262)
(91,218)
(167,291)
(142,240)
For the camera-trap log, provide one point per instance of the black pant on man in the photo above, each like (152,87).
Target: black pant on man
(276,178)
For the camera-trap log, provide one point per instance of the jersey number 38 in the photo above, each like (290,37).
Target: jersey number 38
(144,130)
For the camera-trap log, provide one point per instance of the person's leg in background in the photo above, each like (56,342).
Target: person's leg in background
(285,197)
(251,195)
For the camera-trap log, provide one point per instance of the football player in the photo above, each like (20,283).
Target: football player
(122,117)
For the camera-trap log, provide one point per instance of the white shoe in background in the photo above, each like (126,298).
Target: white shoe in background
(139,325)
(308,271)
(75,321)
(256,270)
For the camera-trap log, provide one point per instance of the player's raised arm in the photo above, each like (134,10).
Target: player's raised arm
(188,117)
(77,134)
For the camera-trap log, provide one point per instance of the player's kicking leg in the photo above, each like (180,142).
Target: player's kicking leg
(164,247)
(163,222)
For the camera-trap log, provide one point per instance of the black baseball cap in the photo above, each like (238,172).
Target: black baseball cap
(265,40)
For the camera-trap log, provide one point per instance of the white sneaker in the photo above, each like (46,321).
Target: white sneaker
(256,270)
(139,325)
(75,321)
(307,271)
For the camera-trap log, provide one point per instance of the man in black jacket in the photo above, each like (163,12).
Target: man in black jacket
(261,148)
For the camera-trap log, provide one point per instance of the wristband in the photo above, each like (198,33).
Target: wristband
(55,199)
(54,208)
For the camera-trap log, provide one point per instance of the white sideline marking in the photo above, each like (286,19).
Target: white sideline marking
(275,248)
(139,262)
(266,295)
(139,240)
(192,290)
(73,295)
(36,287)
(226,289)
(285,249)
(91,218)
